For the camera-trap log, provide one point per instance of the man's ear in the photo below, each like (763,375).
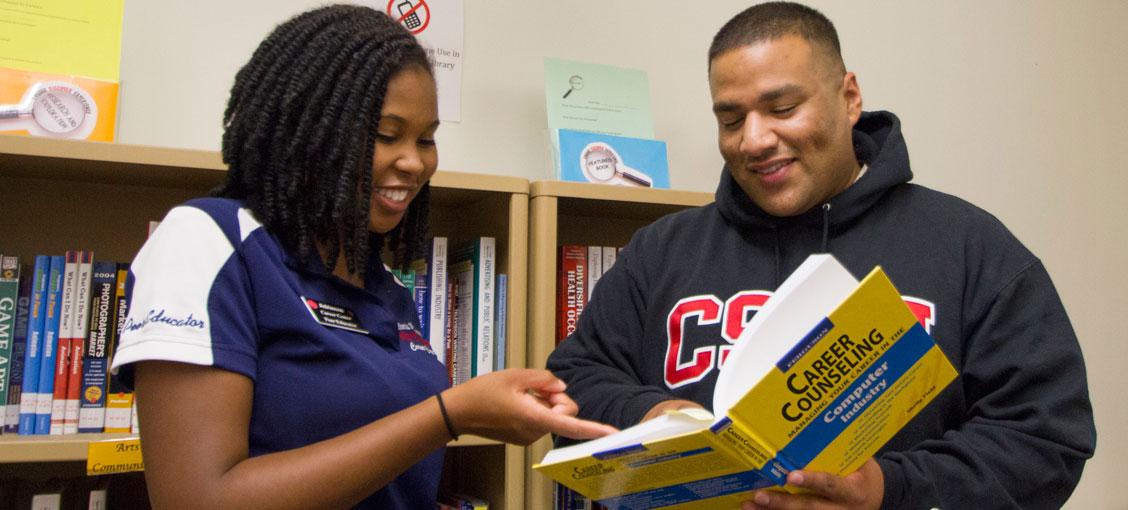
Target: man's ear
(852,94)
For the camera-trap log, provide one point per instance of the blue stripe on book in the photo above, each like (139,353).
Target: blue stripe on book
(865,390)
(692,491)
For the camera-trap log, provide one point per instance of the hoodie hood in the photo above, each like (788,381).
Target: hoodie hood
(878,143)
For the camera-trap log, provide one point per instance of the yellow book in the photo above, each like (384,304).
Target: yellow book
(821,378)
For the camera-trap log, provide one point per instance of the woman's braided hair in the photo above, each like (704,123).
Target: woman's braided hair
(300,132)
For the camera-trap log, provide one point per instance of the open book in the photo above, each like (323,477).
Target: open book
(822,376)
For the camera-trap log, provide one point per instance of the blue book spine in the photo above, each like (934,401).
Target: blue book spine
(499,327)
(37,311)
(46,391)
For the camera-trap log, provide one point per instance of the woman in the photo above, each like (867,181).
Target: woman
(277,362)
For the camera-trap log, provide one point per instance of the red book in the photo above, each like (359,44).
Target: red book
(63,345)
(79,328)
(570,291)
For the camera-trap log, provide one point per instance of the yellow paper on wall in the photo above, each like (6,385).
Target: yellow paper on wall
(79,37)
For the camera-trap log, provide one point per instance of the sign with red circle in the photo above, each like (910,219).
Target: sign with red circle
(414,15)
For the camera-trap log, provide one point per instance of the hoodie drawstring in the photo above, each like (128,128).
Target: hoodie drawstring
(826,230)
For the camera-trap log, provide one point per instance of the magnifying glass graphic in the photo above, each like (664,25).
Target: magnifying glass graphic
(54,108)
(601,164)
(576,82)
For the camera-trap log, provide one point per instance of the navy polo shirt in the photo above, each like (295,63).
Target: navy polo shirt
(212,287)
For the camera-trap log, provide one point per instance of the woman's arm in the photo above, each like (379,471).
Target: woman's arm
(195,422)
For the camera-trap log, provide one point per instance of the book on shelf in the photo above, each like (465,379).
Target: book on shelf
(9,300)
(119,398)
(594,269)
(820,379)
(501,308)
(610,253)
(570,294)
(19,354)
(79,328)
(47,361)
(431,295)
(65,336)
(99,341)
(37,313)
(473,265)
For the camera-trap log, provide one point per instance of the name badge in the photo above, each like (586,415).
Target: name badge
(333,316)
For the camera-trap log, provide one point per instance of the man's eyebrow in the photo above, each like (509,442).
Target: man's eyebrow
(766,97)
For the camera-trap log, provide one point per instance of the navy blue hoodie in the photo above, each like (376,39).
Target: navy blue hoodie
(1014,429)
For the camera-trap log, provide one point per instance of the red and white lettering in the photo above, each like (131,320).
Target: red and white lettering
(924,311)
(706,310)
(739,310)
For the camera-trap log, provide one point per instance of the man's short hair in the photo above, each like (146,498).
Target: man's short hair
(772,20)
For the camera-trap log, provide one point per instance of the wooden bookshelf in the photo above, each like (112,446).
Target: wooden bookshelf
(588,214)
(59,194)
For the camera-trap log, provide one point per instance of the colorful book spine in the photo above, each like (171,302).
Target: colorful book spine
(572,278)
(95,369)
(437,271)
(419,295)
(45,394)
(9,297)
(462,275)
(480,259)
(78,342)
(119,399)
(19,355)
(66,338)
(37,312)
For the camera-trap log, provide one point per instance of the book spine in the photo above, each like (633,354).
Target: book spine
(19,355)
(50,345)
(485,272)
(437,273)
(95,370)
(119,399)
(37,312)
(463,316)
(594,270)
(573,261)
(78,342)
(610,253)
(9,298)
(451,306)
(66,339)
(500,320)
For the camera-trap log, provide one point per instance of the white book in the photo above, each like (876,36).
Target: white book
(78,342)
(609,255)
(437,287)
(594,269)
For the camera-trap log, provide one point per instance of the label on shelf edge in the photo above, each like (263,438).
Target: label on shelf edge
(114,456)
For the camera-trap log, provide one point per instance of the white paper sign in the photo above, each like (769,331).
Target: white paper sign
(439,26)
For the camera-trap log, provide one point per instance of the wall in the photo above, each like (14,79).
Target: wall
(1015,106)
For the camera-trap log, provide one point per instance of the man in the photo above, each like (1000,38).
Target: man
(807,171)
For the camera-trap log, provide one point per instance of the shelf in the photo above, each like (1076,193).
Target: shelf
(65,448)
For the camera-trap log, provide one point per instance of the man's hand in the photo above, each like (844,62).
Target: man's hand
(862,489)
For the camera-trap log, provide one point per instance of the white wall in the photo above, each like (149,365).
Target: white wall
(1017,106)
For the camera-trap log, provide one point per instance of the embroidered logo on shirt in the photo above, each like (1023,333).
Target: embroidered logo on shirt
(333,316)
(158,316)
(408,333)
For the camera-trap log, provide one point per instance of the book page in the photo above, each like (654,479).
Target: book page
(670,424)
(800,303)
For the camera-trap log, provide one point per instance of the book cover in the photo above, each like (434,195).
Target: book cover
(9,298)
(65,339)
(19,354)
(37,313)
(601,158)
(46,391)
(119,398)
(570,294)
(78,342)
(482,257)
(95,368)
(500,320)
(821,378)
